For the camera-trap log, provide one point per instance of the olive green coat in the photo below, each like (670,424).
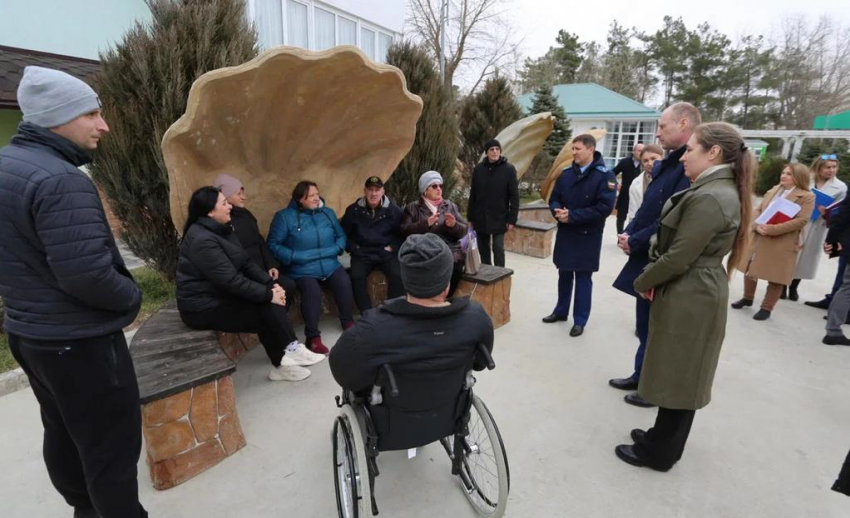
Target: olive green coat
(687,321)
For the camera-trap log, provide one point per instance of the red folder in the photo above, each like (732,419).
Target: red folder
(778,218)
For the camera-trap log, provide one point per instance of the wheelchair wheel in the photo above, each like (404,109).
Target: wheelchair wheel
(351,472)
(485,475)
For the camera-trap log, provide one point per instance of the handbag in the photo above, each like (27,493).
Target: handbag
(472,259)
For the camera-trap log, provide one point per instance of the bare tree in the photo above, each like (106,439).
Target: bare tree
(479,37)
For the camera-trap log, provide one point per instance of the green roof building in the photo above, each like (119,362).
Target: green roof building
(838,121)
(590,106)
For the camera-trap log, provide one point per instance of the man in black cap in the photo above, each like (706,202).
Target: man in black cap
(424,327)
(493,202)
(372,226)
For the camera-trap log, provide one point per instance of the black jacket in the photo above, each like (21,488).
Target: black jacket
(369,231)
(493,197)
(61,275)
(412,338)
(213,267)
(839,228)
(245,225)
(626,168)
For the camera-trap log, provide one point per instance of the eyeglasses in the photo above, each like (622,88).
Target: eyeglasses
(829,157)
(435,186)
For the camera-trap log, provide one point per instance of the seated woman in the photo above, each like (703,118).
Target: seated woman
(219,287)
(245,225)
(774,247)
(306,238)
(648,157)
(434,214)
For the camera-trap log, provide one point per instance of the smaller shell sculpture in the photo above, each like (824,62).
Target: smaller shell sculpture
(334,117)
(565,158)
(522,140)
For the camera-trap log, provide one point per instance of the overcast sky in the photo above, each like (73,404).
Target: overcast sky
(538,21)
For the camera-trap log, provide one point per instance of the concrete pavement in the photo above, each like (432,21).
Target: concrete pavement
(769,445)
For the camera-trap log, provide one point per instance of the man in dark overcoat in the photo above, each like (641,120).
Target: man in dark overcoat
(628,169)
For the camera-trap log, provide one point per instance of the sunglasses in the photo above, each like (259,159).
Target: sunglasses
(829,157)
(435,186)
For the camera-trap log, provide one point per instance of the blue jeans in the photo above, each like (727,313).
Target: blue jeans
(642,307)
(583,293)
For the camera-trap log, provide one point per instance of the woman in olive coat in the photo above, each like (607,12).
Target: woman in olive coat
(689,289)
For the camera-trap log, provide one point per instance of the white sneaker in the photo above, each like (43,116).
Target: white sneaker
(288,371)
(303,356)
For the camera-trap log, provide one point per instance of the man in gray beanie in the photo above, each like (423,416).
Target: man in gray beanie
(424,327)
(68,296)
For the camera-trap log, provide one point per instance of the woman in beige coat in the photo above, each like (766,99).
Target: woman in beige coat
(689,289)
(774,248)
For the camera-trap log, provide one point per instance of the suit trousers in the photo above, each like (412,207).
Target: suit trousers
(839,277)
(842,484)
(642,307)
(664,443)
(498,242)
(89,401)
(583,282)
(839,307)
(621,219)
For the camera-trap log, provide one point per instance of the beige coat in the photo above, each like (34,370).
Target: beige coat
(774,256)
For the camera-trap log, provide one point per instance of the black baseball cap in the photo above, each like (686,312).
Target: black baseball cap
(374,181)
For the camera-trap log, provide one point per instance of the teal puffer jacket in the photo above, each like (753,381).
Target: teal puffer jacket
(307,242)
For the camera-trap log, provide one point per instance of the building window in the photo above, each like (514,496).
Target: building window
(296,24)
(269,22)
(367,42)
(384,43)
(347,31)
(623,136)
(325,29)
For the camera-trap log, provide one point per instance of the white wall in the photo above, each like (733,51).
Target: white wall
(388,14)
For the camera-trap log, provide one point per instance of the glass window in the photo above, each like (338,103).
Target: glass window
(367,42)
(325,29)
(296,24)
(269,23)
(347,31)
(385,41)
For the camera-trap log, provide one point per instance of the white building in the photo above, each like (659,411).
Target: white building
(371,25)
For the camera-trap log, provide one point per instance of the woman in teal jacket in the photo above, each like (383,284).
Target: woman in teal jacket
(306,238)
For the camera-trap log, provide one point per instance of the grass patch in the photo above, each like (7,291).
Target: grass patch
(156,291)
(529,198)
(7,362)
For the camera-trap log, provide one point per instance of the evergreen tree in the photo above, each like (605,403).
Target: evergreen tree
(483,115)
(435,146)
(544,100)
(143,85)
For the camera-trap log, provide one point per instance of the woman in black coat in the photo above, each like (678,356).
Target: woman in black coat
(220,287)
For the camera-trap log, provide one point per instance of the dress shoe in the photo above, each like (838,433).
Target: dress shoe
(636,400)
(577,330)
(784,294)
(85,512)
(553,318)
(836,340)
(761,314)
(820,304)
(638,435)
(624,383)
(743,303)
(626,453)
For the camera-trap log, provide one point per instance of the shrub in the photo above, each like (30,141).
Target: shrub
(768,175)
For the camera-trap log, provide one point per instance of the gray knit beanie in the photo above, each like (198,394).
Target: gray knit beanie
(428,179)
(51,98)
(426,265)
(227,184)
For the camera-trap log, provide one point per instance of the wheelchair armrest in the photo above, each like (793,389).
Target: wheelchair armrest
(488,358)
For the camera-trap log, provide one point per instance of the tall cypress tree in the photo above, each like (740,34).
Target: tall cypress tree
(435,146)
(483,115)
(544,100)
(143,85)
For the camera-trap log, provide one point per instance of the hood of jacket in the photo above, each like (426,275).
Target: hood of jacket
(401,306)
(385,202)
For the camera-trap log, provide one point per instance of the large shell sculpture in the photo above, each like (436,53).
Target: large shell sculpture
(565,158)
(334,117)
(522,140)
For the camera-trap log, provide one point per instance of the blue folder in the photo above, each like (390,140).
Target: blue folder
(821,198)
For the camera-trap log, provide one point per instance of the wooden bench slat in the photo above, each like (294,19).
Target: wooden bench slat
(488,274)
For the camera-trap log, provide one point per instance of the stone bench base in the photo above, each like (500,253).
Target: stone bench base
(531,238)
(191,431)
(496,298)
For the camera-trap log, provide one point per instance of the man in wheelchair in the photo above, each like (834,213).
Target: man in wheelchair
(405,369)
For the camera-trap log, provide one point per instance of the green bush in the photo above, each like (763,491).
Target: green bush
(769,172)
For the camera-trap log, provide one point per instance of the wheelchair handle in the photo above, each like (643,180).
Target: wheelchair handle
(487,356)
(391,379)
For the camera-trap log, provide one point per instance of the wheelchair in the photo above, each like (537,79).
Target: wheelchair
(421,409)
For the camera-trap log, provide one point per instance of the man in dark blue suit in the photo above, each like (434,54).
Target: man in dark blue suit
(675,127)
(582,199)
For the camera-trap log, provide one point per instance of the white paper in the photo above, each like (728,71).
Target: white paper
(411,453)
(789,208)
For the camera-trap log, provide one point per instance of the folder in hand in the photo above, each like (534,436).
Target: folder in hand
(822,199)
(780,210)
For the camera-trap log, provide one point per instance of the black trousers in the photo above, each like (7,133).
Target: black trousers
(89,401)
(498,242)
(664,443)
(842,485)
(457,274)
(360,270)
(621,219)
(289,287)
(311,299)
(270,322)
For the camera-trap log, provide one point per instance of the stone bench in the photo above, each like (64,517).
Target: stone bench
(536,211)
(531,237)
(490,287)
(189,418)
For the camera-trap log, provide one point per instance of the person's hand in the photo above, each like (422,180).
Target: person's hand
(274,274)
(388,248)
(433,220)
(644,294)
(827,247)
(562,215)
(278,295)
(762,229)
(450,220)
(822,210)
(623,243)
(511,227)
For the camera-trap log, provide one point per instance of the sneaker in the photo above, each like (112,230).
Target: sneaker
(317,346)
(288,371)
(303,356)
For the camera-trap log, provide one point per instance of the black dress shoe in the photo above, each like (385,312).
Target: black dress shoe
(793,296)
(743,303)
(624,383)
(636,400)
(836,340)
(85,512)
(576,330)
(761,314)
(626,453)
(820,304)
(784,294)
(638,435)
(553,318)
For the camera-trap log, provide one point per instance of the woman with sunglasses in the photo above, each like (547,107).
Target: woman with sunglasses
(435,214)
(824,172)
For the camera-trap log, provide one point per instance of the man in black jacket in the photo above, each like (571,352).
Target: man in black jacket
(68,296)
(628,168)
(372,227)
(493,202)
(838,243)
(424,331)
